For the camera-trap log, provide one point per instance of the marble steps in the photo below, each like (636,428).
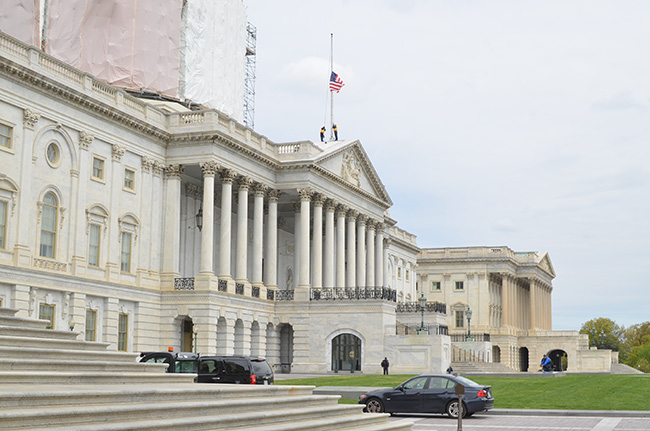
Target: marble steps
(47,377)
(13,352)
(84,365)
(50,343)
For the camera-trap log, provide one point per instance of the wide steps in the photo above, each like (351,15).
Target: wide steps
(35,365)
(98,378)
(65,355)
(37,332)
(50,343)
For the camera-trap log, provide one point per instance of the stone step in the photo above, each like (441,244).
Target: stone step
(49,343)
(64,355)
(18,396)
(37,332)
(99,378)
(180,406)
(20,322)
(31,365)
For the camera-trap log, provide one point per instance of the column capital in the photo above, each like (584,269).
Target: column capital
(244,182)
(361,219)
(30,118)
(274,195)
(318,199)
(85,139)
(174,171)
(260,189)
(147,163)
(370,223)
(227,175)
(209,168)
(387,242)
(341,210)
(118,152)
(380,226)
(305,193)
(352,215)
(330,205)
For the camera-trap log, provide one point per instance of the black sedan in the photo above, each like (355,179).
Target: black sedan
(430,393)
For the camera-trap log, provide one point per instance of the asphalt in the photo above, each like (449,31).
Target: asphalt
(354,392)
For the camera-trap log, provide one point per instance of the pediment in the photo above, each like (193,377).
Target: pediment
(546,265)
(350,164)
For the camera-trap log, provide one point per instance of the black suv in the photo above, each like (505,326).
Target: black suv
(215,369)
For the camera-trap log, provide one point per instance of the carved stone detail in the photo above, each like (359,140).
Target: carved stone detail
(147,163)
(227,175)
(85,139)
(174,171)
(350,170)
(118,152)
(193,191)
(305,193)
(244,182)
(30,118)
(274,195)
(158,168)
(260,189)
(209,168)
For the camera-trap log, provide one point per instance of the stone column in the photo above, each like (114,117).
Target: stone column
(303,274)
(507,299)
(171,250)
(341,210)
(379,256)
(79,258)
(296,246)
(361,251)
(532,323)
(207,245)
(317,245)
(271,266)
(370,261)
(384,263)
(328,271)
(258,232)
(352,250)
(225,242)
(241,259)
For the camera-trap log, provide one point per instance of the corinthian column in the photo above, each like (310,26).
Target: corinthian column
(379,256)
(271,267)
(258,232)
(370,247)
(328,262)
(303,275)
(341,210)
(361,250)
(171,257)
(209,170)
(242,229)
(317,246)
(352,249)
(225,243)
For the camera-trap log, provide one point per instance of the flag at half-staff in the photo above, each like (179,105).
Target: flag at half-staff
(335,82)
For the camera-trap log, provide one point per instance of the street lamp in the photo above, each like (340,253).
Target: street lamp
(469,318)
(423,302)
(199,218)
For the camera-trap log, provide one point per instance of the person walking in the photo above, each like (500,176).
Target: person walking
(385,364)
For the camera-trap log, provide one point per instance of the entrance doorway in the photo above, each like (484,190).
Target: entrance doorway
(286,348)
(187,335)
(560,359)
(346,353)
(523,359)
(496,354)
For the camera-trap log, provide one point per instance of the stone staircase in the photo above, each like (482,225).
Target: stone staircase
(51,381)
(473,368)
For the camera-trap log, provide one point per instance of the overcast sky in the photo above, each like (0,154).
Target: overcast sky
(491,123)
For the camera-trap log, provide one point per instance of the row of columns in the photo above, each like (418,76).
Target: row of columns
(365,238)
(525,308)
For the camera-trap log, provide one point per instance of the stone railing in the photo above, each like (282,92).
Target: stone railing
(356,293)
(404,329)
(414,307)
(184,283)
(284,295)
(480,338)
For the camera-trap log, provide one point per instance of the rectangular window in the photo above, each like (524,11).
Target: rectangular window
(399,273)
(98,168)
(91,325)
(93,244)
(3,224)
(460,285)
(435,286)
(460,319)
(122,332)
(125,260)
(129,179)
(407,275)
(5,136)
(46,312)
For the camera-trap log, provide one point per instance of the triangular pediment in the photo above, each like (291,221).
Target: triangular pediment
(348,162)
(546,265)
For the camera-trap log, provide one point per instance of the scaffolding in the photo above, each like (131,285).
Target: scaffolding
(249,82)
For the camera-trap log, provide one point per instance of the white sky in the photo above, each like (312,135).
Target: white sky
(491,123)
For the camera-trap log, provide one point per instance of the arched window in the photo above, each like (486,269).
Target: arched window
(48,225)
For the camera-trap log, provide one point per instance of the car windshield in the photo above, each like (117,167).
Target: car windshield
(187,367)
(466,382)
(261,367)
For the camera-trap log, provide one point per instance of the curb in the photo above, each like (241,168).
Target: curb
(583,413)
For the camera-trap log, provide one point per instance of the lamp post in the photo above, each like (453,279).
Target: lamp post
(423,302)
(468,313)
(199,218)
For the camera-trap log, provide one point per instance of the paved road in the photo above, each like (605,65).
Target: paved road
(487,422)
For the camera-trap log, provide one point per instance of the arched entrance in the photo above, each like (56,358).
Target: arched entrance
(346,353)
(523,359)
(286,348)
(560,360)
(496,354)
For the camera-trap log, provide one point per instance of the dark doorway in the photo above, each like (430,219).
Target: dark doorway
(560,360)
(346,353)
(187,336)
(523,359)
(496,354)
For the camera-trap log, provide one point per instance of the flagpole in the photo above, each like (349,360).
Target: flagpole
(331,92)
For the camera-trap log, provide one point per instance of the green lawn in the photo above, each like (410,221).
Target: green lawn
(571,392)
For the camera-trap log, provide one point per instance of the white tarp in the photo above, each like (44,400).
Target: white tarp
(129,43)
(19,19)
(214,54)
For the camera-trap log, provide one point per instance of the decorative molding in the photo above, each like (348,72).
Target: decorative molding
(118,152)
(158,168)
(85,139)
(49,264)
(30,118)
(349,170)
(62,211)
(147,163)
(193,191)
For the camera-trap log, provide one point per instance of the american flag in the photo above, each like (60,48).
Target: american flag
(335,82)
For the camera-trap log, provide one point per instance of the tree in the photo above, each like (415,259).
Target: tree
(603,333)
(636,348)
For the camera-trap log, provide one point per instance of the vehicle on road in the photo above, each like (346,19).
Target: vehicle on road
(430,393)
(215,369)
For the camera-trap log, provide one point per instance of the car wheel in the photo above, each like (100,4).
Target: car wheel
(374,405)
(452,409)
